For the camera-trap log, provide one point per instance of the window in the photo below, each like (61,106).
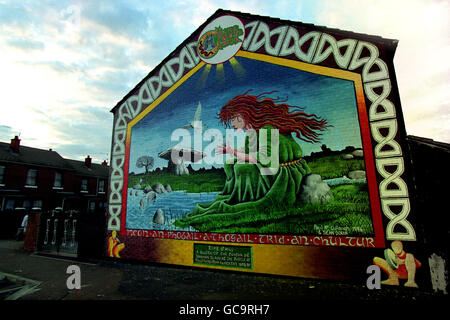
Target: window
(84,185)
(27,204)
(9,204)
(58,180)
(92,206)
(37,204)
(101,186)
(31,177)
(2,175)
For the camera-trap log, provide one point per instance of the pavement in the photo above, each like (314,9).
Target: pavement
(105,279)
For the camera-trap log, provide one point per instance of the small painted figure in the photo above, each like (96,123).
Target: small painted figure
(398,265)
(114,245)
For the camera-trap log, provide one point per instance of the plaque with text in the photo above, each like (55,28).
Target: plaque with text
(225,256)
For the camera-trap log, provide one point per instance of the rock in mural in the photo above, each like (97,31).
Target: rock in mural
(357,174)
(159,218)
(347,156)
(177,157)
(147,189)
(159,188)
(137,186)
(151,196)
(358,153)
(315,190)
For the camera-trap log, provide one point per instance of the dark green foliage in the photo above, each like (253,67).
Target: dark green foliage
(195,182)
(334,166)
(347,214)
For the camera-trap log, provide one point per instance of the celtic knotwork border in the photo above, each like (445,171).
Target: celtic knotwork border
(288,41)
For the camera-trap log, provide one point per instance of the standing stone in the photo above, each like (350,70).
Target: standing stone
(347,156)
(315,190)
(159,218)
(358,153)
(357,174)
(159,188)
(151,196)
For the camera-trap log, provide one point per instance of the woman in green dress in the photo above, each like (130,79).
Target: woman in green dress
(269,171)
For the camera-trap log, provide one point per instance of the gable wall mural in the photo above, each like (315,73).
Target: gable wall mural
(266,146)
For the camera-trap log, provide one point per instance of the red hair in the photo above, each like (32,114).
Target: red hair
(259,113)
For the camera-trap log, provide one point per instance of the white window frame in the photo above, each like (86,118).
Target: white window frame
(101,182)
(29,183)
(2,176)
(60,186)
(84,184)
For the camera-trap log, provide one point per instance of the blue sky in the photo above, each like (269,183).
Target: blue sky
(65,64)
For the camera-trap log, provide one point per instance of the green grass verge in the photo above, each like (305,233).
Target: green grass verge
(327,167)
(348,213)
(334,166)
(192,183)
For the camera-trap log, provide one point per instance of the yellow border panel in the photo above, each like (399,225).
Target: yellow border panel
(162,97)
(326,71)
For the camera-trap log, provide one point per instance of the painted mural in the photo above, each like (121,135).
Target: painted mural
(264,146)
(313,182)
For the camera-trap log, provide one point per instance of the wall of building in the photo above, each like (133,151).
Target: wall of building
(365,211)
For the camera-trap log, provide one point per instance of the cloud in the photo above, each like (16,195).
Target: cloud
(421,58)
(74,133)
(7,133)
(118,17)
(26,44)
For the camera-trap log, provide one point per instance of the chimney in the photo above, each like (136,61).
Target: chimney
(104,163)
(88,162)
(15,144)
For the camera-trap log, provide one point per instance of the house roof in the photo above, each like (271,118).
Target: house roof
(50,158)
(429,143)
(389,43)
(97,170)
(32,156)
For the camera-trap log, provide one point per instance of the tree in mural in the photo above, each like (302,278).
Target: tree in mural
(145,162)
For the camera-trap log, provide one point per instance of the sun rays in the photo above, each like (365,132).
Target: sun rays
(219,72)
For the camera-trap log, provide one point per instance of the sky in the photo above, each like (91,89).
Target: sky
(65,64)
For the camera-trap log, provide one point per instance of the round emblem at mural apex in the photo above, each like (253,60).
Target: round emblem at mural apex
(221,40)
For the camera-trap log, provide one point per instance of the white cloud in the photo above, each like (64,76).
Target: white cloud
(421,60)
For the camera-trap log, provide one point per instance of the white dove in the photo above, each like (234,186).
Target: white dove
(196,123)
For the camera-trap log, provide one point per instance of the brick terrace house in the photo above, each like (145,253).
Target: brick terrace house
(36,180)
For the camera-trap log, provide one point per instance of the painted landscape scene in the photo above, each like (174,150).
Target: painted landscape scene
(320,185)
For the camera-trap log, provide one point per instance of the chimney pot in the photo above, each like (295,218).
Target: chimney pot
(88,161)
(15,144)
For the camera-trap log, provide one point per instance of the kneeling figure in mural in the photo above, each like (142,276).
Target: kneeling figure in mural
(398,265)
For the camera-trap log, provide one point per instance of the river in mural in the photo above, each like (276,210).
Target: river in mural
(174,205)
